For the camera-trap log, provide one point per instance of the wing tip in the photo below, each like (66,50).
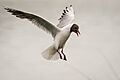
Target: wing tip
(9,9)
(71,5)
(65,11)
(6,8)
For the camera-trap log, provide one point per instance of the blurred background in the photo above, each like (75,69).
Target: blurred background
(95,54)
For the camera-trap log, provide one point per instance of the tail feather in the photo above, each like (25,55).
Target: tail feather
(50,53)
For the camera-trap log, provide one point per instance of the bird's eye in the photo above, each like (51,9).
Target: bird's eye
(76,27)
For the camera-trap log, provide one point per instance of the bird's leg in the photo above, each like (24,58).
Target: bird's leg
(64,55)
(59,54)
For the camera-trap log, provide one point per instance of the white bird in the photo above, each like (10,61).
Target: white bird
(60,33)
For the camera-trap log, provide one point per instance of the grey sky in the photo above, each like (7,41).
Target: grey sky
(21,42)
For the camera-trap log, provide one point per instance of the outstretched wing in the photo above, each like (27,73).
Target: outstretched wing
(40,22)
(67,17)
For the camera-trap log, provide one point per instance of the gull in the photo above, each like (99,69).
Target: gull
(59,32)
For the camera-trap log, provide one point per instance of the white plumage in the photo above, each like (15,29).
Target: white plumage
(60,33)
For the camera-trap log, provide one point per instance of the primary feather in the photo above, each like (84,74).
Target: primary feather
(40,22)
(67,17)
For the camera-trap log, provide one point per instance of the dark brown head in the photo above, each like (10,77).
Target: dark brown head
(75,28)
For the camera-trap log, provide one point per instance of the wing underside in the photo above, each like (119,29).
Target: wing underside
(67,17)
(40,22)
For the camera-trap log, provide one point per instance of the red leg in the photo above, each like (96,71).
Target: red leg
(64,55)
(59,54)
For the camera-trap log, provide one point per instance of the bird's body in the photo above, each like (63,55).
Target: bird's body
(59,43)
(60,33)
(62,37)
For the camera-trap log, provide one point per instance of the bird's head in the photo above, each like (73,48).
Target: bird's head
(75,28)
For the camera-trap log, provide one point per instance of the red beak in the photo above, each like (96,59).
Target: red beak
(78,33)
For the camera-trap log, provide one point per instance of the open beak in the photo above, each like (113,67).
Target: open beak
(78,33)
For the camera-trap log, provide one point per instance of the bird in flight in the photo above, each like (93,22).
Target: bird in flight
(60,32)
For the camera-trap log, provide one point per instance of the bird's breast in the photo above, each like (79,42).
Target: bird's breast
(61,39)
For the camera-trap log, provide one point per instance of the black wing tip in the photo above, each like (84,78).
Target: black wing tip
(65,11)
(6,8)
(71,5)
(9,9)
(16,13)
